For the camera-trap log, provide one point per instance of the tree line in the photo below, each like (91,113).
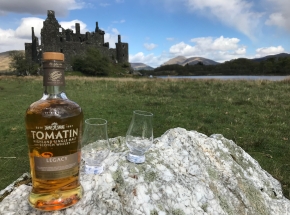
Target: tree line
(93,63)
(241,66)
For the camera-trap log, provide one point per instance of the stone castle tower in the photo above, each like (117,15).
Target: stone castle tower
(54,38)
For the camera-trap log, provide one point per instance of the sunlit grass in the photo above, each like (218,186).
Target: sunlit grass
(254,114)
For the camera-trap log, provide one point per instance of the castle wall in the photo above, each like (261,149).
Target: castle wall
(51,34)
(28,51)
(73,49)
(122,52)
(54,38)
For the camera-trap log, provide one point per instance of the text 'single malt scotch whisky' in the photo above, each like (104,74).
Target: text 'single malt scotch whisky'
(54,128)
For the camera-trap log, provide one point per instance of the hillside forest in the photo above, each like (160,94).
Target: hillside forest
(241,66)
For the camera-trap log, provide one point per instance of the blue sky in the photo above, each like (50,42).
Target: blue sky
(158,30)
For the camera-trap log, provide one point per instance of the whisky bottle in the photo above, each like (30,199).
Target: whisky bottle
(53,130)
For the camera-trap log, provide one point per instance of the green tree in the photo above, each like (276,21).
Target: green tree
(93,63)
(18,63)
(33,68)
(20,66)
(269,66)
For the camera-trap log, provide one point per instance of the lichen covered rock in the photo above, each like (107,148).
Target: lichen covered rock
(185,172)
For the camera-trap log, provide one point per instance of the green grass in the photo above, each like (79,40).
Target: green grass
(254,114)
(74,73)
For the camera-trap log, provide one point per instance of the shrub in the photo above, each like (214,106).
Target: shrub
(20,66)
(92,64)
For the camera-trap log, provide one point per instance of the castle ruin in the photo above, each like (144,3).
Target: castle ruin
(54,38)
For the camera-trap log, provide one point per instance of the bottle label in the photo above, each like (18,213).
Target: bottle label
(56,167)
(53,73)
(51,140)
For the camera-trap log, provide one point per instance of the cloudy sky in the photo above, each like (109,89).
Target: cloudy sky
(158,30)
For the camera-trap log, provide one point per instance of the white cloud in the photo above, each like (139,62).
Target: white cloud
(14,39)
(225,44)
(8,41)
(276,19)
(150,46)
(61,7)
(221,43)
(149,59)
(71,25)
(241,51)
(280,14)
(139,57)
(261,52)
(111,36)
(218,49)
(115,31)
(24,30)
(183,49)
(238,14)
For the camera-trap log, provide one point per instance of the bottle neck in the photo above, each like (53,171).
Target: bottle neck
(53,80)
(54,92)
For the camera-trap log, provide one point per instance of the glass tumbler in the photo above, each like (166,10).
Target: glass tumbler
(95,145)
(139,137)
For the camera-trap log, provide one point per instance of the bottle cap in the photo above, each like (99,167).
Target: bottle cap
(53,56)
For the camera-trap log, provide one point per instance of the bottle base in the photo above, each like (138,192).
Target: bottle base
(136,158)
(94,169)
(55,201)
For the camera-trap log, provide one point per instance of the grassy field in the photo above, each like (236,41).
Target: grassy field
(254,114)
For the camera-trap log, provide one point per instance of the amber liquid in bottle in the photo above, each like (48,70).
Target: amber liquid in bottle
(53,128)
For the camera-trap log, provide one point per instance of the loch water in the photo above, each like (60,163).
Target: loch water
(233,77)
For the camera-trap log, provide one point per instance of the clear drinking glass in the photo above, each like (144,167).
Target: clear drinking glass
(95,145)
(139,137)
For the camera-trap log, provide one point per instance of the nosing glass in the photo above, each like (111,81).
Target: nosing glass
(96,121)
(141,112)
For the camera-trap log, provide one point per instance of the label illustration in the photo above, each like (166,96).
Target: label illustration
(54,76)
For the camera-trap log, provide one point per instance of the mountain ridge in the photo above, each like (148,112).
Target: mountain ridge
(181,60)
(271,56)
(141,66)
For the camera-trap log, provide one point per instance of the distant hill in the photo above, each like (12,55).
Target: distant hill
(271,56)
(141,66)
(181,60)
(5,60)
(177,60)
(195,60)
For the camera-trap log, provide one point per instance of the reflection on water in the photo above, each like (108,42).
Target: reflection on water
(232,77)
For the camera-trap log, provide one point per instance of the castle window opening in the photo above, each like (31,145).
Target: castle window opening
(60,30)
(60,39)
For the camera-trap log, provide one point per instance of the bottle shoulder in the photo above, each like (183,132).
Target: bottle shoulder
(54,108)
